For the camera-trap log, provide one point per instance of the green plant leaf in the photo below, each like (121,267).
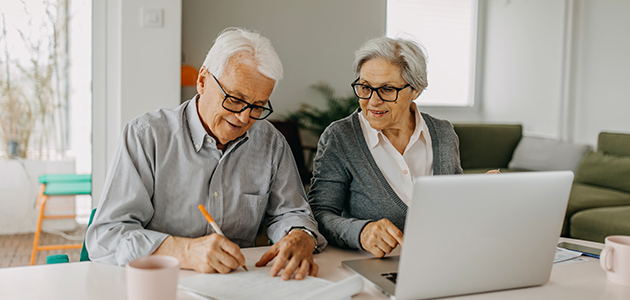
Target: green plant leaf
(316,119)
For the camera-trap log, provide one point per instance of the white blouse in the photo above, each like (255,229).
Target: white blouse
(399,170)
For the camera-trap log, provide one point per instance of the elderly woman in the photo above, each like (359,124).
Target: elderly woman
(365,164)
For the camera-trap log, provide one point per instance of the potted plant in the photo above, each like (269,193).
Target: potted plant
(316,119)
(16,120)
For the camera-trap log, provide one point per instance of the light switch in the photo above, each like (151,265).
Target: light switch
(152,17)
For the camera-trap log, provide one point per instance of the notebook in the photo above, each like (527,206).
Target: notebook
(469,234)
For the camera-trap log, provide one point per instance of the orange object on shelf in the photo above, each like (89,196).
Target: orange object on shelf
(189,75)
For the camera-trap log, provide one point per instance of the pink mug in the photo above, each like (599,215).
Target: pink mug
(615,259)
(152,277)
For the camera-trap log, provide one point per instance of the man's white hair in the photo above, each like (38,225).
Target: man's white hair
(256,49)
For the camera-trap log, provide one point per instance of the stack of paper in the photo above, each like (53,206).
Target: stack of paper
(257,284)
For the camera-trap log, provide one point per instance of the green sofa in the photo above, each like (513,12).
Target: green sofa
(600,198)
(484,147)
(599,204)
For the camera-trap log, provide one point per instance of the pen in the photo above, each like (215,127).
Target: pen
(497,171)
(213,224)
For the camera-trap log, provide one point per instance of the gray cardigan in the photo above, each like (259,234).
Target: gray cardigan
(348,189)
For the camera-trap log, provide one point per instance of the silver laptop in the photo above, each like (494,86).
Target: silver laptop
(469,234)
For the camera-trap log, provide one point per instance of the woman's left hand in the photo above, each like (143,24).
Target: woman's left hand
(381,237)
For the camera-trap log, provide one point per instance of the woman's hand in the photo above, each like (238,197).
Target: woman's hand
(381,237)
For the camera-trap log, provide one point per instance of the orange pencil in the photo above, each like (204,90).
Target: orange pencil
(213,224)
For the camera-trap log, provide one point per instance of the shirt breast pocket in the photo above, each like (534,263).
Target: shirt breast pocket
(250,215)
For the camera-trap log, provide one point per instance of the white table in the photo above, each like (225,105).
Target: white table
(88,280)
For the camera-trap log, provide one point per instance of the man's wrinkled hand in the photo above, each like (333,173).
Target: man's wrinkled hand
(208,254)
(294,254)
(380,237)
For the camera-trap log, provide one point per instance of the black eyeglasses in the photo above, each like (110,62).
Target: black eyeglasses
(386,93)
(236,105)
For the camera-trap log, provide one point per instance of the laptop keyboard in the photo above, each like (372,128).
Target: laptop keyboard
(391,276)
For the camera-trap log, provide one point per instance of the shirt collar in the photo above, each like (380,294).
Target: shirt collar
(197,132)
(374,136)
(420,126)
(371,134)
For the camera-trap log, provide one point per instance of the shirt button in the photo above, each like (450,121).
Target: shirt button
(405,172)
(216,195)
(209,140)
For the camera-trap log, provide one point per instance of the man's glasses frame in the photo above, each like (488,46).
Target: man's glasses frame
(265,111)
(378,90)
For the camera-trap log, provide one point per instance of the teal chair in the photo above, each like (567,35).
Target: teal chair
(54,185)
(63,258)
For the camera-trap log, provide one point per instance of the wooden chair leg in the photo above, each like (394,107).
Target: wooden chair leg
(40,195)
(38,230)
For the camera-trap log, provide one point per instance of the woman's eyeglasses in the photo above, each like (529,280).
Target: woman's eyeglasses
(386,93)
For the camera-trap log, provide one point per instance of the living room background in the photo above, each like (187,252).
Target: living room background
(559,67)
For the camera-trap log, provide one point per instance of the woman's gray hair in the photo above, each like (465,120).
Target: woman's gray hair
(406,54)
(234,41)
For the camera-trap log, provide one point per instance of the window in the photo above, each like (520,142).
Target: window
(45,96)
(447,31)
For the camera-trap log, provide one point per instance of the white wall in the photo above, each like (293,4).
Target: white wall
(150,59)
(136,69)
(315,40)
(603,69)
(523,78)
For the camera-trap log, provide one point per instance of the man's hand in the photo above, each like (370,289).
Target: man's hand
(380,237)
(294,253)
(208,254)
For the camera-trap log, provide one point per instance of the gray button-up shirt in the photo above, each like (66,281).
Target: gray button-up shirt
(166,165)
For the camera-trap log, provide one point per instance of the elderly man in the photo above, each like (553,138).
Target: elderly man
(211,151)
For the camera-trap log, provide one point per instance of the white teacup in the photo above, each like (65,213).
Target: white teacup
(152,277)
(615,259)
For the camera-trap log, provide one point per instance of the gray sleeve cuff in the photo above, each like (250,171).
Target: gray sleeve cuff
(352,236)
(139,243)
(119,250)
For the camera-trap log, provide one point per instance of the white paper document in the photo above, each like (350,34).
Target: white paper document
(563,256)
(257,284)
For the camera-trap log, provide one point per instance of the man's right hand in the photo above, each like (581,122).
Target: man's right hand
(208,254)
(380,237)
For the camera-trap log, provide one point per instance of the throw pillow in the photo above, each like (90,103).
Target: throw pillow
(538,154)
(604,170)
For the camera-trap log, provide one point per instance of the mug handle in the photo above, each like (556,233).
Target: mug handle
(604,260)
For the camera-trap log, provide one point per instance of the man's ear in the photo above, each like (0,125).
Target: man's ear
(201,80)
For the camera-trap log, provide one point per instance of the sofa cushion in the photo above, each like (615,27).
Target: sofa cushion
(603,170)
(488,146)
(614,143)
(538,154)
(598,223)
(584,196)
